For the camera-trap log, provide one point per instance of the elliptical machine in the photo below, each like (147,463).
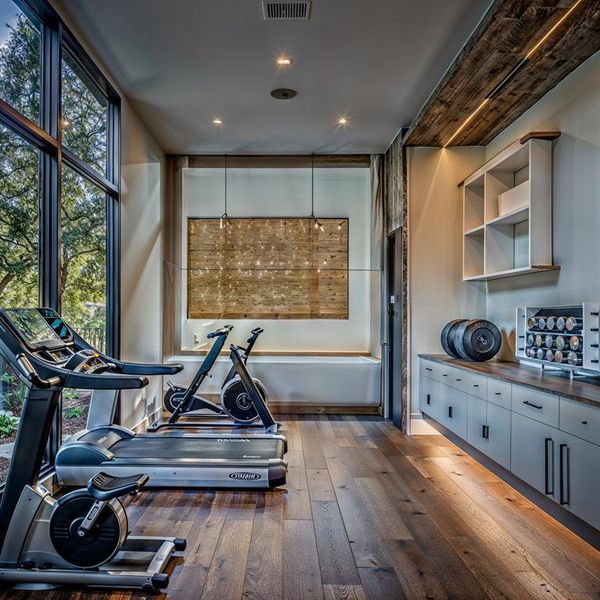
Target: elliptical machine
(235,404)
(82,538)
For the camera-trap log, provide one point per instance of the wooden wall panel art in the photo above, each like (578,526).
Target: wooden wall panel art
(267,268)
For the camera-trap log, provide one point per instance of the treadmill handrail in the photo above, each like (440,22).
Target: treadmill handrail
(55,376)
(131,368)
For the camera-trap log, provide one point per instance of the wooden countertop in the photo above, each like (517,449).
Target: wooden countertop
(586,390)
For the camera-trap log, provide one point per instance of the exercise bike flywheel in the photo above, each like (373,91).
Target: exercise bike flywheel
(101,543)
(236,401)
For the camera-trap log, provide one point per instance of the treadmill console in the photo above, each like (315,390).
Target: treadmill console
(33,329)
(58,325)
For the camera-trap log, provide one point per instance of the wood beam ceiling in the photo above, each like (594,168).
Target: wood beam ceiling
(509,30)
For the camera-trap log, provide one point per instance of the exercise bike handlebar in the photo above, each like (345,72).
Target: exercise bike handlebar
(225,330)
(257,331)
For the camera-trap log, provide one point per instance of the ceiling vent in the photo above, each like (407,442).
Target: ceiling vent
(286,10)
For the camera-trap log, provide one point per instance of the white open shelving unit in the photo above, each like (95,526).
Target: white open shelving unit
(507,212)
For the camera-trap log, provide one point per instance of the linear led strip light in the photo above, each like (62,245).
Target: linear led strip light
(512,73)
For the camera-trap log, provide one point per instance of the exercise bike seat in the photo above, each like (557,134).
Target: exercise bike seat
(105,487)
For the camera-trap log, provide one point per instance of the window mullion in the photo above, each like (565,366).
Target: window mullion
(50,169)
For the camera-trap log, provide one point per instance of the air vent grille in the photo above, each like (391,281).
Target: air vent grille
(281,10)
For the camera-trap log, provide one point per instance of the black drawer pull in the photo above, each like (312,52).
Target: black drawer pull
(549,445)
(485,432)
(565,474)
(459,380)
(475,385)
(428,369)
(450,412)
(444,374)
(584,422)
(428,398)
(498,393)
(539,407)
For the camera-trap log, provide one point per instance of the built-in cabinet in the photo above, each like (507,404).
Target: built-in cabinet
(549,442)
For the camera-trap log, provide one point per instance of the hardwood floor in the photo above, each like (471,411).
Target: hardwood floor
(367,513)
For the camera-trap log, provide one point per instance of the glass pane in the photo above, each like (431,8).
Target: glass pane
(19,193)
(84,116)
(19,61)
(12,394)
(83,276)
(83,256)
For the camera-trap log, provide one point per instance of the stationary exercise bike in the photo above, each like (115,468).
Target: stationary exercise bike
(235,403)
(81,538)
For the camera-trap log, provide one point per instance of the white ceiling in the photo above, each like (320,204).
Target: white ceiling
(184,62)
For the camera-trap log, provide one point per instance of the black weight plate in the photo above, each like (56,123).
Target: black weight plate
(480,340)
(446,337)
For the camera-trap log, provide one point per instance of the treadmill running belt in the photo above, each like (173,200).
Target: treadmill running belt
(163,447)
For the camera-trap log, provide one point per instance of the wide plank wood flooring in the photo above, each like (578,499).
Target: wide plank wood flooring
(367,513)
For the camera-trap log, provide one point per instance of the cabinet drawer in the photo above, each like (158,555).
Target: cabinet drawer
(582,420)
(477,385)
(536,405)
(458,379)
(499,392)
(426,369)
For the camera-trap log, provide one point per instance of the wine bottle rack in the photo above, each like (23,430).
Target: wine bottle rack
(560,337)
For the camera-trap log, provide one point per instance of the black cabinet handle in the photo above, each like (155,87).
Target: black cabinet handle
(584,422)
(538,406)
(428,398)
(549,445)
(485,432)
(459,380)
(450,412)
(428,369)
(498,393)
(565,474)
(444,374)
(475,385)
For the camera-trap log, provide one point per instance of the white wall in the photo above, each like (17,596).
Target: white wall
(572,107)
(142,197)
(287,192)
(437,293)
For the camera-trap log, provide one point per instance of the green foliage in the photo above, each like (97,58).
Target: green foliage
(71,394)
(13,391)
(8,425)
(83,206)
(74,412)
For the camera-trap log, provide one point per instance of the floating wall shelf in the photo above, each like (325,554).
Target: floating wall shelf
(507,212)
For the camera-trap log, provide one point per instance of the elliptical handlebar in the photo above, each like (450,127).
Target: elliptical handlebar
(222,331)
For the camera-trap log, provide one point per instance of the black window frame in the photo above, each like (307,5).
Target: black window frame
(46,136)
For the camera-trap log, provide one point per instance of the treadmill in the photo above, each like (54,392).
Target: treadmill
(207,460)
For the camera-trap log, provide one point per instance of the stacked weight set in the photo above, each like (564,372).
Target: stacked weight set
(476,340)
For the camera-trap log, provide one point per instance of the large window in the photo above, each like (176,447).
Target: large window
(59,194)
(20,60)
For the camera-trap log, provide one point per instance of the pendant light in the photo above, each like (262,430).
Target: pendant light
(317,224)
(223,218)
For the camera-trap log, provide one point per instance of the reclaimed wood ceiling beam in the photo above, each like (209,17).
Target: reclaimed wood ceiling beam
(497,48)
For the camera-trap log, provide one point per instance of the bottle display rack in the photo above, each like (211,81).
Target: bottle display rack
(560,337)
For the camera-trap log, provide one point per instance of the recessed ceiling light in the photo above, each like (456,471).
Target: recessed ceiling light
(284,61)
(342,121)
(283,93)
(217,121)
